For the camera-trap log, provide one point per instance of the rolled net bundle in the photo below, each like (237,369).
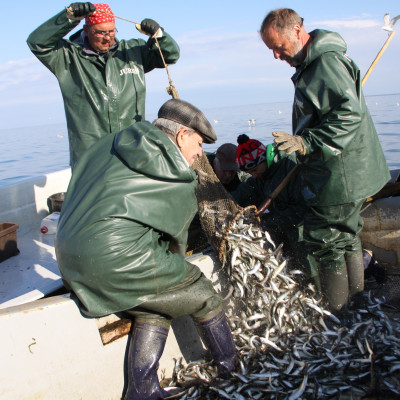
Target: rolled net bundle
(218,211)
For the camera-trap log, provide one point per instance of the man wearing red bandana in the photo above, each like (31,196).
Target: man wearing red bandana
(101,78)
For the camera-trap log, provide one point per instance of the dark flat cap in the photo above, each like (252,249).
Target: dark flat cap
(226,155)
(188,115)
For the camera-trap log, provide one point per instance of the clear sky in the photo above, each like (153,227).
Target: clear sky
(223,60)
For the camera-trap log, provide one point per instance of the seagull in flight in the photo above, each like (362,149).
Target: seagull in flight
(389,23)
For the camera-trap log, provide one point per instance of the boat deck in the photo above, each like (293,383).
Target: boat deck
(33,273)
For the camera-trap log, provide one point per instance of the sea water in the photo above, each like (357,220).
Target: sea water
(30,152)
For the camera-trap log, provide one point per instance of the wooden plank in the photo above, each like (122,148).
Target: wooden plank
(115,330)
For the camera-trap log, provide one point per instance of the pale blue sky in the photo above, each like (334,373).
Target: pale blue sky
(223,61)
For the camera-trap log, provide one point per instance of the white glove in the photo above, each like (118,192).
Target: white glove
(290,143)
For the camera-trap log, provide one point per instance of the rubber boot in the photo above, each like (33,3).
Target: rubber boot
(355,272)
(218,337)
(145,350)
(335,286)
(317,282)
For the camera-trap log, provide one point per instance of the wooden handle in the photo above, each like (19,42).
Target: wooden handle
(264,206)
(386,44)
(267,202)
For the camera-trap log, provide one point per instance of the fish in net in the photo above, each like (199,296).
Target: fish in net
(218,210)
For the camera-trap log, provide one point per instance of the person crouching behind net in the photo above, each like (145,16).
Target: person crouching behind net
(223,163)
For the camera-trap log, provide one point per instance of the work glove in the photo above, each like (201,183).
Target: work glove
(150,28)
(290,143)
(78,11)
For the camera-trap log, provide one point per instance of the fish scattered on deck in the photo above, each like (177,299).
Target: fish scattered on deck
(289,346)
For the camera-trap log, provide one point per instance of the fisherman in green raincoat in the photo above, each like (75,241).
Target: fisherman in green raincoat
(101,78)
(342,161)
(122,234)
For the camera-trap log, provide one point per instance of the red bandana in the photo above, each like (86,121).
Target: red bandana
(98,17)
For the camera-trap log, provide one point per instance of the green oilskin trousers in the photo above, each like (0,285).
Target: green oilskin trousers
(194,296)
(334,253)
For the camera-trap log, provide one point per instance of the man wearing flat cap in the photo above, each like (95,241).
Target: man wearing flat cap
(102,79)
(122,234)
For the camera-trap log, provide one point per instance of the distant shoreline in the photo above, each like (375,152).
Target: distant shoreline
(388,94)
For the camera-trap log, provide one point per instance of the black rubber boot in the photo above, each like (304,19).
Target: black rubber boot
(355,272)
(317,282)
(145,350)
(335,287)
(218,337)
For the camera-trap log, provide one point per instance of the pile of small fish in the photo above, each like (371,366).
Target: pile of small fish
(289,345)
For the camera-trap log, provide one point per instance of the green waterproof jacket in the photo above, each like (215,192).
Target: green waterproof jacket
(131,199)
(288,207)
(344,160)
(102,94)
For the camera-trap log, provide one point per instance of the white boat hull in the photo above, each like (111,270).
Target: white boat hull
(50,351)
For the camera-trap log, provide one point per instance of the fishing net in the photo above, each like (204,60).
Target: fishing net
(218,211)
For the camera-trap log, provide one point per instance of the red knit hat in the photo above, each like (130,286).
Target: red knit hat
(250,153)
(98,17)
